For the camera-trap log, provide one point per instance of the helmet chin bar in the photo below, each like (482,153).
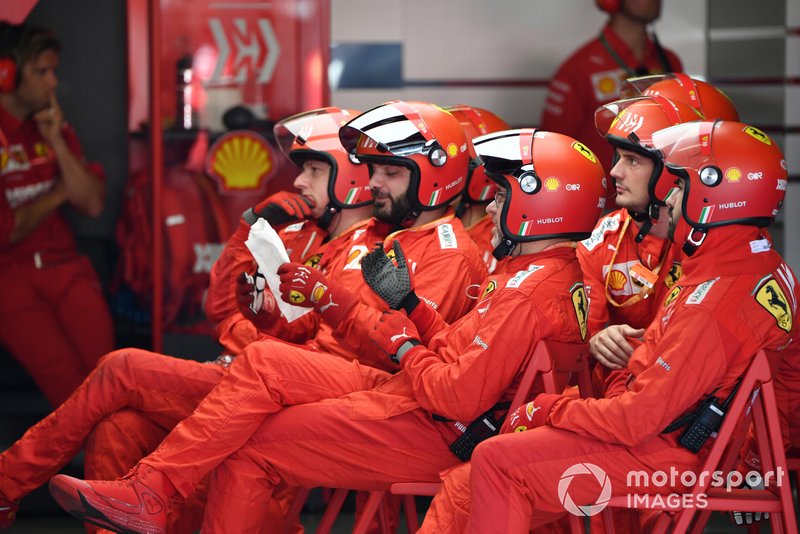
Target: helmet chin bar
(646,223)
(644,229)
(327,216)
(505,248)
(692,243)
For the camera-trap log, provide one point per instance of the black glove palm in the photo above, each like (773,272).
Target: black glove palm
(391,282)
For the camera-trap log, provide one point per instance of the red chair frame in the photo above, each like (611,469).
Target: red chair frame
(755,401)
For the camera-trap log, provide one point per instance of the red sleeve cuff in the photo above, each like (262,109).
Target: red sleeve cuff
(542,405)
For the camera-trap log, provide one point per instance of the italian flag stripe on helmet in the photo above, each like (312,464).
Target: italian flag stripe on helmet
(705,214)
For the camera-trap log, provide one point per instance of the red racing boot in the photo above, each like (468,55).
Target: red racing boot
(8,512)
(136,503)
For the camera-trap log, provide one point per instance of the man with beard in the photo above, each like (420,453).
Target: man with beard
(593,75)
(56,323)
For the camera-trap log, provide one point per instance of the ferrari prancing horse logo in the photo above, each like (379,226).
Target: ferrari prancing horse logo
(772,299)
(579,302)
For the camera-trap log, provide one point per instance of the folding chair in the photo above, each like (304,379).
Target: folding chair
(555,362)
(755,400)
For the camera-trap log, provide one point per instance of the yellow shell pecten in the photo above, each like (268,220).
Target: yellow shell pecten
(241,162)
(617,280)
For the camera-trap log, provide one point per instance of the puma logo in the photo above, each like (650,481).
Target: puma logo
(328,305)
(399,336)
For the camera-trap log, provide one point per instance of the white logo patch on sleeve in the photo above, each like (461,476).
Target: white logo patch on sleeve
(520,277)
(699,294)
(447,237)
(609,224)
(296,227)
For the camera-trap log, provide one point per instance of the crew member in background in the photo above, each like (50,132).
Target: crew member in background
(593,75)
(56,322)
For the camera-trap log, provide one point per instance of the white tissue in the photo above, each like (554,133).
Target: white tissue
(269,253)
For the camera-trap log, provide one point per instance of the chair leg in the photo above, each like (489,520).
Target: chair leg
(368,512)
(412,519)
(332,511)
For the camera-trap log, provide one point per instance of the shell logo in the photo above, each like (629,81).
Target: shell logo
(552,184)
(240,161)
(733,174)
(617,280)
(606,85)
(452,150)
(318,292)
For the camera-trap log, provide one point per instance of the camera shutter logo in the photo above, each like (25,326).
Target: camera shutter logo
(588,509)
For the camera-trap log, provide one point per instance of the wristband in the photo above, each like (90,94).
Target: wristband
(405,347)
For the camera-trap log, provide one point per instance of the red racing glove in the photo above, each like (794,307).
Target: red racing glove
(530,415)
(256,301)
(308,288)
(395,334)
(278,209)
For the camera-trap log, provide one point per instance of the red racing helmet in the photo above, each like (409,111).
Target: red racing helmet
(315,135)
(476,122)
(733,173)
(707,100)
(420,136)
(555,186)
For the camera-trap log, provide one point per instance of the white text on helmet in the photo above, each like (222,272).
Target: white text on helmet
(550,220)
(729,205)
(629,122)
(573,187)
(454,183)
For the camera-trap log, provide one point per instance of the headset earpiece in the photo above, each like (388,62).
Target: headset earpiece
(609,6)
(8,75)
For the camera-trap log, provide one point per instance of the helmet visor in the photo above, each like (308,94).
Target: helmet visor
(505,152)
(316,130)
(639,85)
(687,146)
(392,129)
(632,120)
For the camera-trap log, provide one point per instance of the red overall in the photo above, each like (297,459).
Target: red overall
(56,323)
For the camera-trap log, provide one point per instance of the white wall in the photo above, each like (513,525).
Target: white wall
(493,41)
